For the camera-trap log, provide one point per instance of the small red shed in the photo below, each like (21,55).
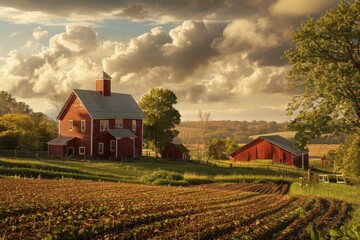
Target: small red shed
(175,151)
(275,147)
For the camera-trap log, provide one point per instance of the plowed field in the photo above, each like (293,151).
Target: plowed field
(68,209)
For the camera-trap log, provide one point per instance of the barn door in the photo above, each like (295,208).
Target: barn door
(70,151)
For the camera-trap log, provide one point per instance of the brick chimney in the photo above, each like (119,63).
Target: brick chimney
(103,84)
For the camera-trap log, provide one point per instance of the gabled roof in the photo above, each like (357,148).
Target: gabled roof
(120,133)
(277,141)
(117,105)
(283,143)
(180,147)
(60,141)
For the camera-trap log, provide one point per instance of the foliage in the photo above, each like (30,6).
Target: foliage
(215,149)
(203,118)
(347,157)
(325,74)
(30,132)
(8,104)
(160,117)
(220,148)
(349,234)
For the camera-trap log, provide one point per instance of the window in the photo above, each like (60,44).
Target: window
(119,122)
(71,125)
(101,148)
(83,125)
(81,150)
(112,145)
(133,126)
(104,125)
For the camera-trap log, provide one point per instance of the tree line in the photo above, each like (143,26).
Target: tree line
(21,128)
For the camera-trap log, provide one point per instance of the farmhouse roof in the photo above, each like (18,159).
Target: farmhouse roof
(60,141)
(118,105)
(120,133)
(283,143)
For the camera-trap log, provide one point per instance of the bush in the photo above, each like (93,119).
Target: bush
(162,177)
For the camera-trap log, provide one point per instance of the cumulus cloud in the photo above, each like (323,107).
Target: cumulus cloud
(300,8)
(13,34)
(38,33)
(69,61)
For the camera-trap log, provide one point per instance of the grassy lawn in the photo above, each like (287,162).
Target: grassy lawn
(133,171)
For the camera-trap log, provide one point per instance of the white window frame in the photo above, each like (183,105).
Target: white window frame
(133,125)
(71,125)
(112,145)
(101,148)
(83,125)
(119,123)
(81,150)
(104,125)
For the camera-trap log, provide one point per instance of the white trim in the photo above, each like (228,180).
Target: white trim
(72,125)
(102,148)
(111,142)
(91,137)
(80,153)
(133,140)
(82,125)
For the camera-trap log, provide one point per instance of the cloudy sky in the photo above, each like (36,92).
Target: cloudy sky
(223,56)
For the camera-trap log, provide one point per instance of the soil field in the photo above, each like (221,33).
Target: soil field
(69,209)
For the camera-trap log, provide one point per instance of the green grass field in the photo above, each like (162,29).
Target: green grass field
(134,171)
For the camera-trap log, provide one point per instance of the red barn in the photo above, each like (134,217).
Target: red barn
(277,148)
(175,152)
(99,124)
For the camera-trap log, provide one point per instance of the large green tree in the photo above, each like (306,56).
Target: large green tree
(160,117)
(325,74)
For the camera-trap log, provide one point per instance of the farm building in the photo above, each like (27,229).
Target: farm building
(175,152)
(99,124)
(277,148)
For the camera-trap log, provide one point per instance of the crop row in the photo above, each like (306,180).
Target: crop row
(68,209)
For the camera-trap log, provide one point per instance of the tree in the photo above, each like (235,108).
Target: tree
(160,117)
(216,148)
(347,157)
(29,132)
(325,74)
(59,99)
(8,104)
(220,148)
(204,119)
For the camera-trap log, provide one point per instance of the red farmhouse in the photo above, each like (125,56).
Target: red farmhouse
(99,124)
(277,148)
(175,152)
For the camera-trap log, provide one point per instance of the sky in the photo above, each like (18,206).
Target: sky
(218,56)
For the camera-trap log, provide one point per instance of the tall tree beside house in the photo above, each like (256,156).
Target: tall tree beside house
(325,75)
(160,117)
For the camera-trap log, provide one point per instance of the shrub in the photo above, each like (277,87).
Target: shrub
(163,177)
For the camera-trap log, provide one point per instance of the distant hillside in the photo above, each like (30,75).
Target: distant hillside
(190,132)
(286,134)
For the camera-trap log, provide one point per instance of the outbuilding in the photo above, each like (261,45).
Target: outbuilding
(277,148)
(175,151)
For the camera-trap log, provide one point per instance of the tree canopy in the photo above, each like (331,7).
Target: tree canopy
(8,104)
(325,74)
(160,117)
